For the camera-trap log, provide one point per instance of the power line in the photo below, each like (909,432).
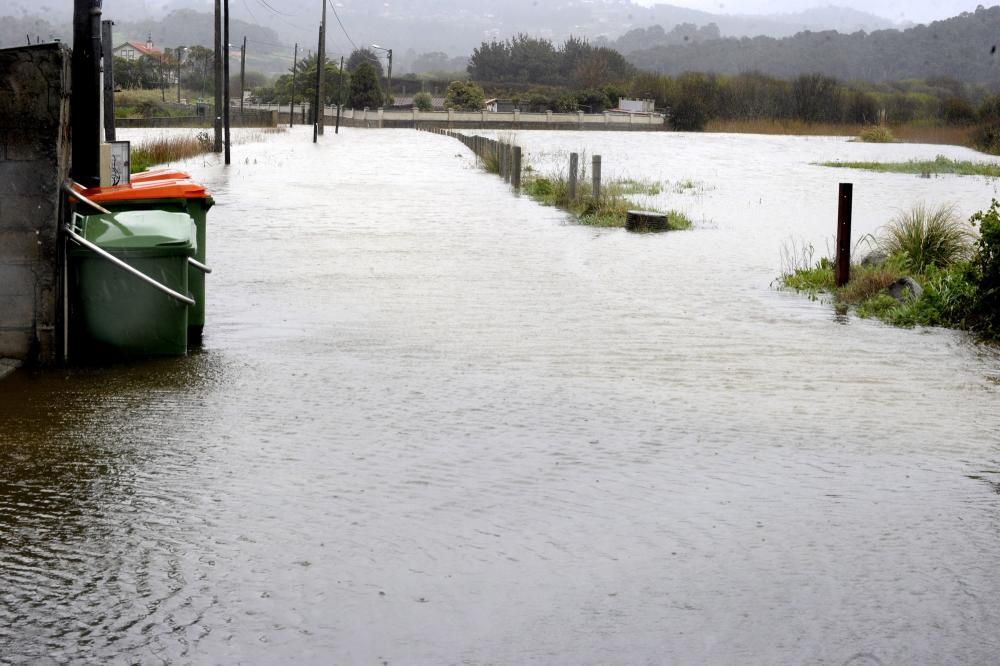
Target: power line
(337,16)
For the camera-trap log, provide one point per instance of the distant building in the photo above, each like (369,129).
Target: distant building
(137,50)
(626,105)
(503,106)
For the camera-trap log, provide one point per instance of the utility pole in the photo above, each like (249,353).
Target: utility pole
(295,64)
(180,54)
(388,101)
(218,76)
(109,81)
(318,79)
(340,97)
(225,37)
(243,73)
(86,82)
(321,71)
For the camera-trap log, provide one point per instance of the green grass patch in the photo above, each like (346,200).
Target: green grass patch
(926,168)
(609,210)
(932,247)
(877,134)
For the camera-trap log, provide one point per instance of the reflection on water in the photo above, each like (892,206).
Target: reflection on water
(435,423)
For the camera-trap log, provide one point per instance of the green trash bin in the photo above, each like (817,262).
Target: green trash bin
(116,312)
(173,195)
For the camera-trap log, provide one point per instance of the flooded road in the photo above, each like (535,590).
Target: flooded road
(435,423)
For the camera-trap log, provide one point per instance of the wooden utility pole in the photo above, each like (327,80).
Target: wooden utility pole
(86,82)
(320,71)
(218,76)
(109,81)
(180,55)
(225,38)
(319,77)
(295,64)
(243,73)
(340,95)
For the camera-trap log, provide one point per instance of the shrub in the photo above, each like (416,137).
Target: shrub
(877,134)
(541,187)
(925,237)
(985,271)
(689,115)
(423,101)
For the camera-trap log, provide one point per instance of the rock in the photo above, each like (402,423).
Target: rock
(905,289)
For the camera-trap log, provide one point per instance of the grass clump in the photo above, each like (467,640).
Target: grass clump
(925,237)
(959,280)
(877,134)
(167,149)
(926,168)
(608,210)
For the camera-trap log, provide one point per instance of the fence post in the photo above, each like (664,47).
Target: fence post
(574,163)
(516,179)
(595,169)
(842,273)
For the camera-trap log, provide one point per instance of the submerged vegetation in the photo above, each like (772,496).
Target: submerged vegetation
(166,149)
(926,168)
(926,268)
(609,209)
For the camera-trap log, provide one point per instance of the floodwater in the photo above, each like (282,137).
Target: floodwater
(435,423)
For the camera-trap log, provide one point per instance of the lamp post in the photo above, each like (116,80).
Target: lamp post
(388,94)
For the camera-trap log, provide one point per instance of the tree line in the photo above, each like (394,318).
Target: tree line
(961,47)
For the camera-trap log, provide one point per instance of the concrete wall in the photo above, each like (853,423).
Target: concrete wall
(34,161)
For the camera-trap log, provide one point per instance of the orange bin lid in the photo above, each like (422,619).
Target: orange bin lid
(159,174)
(151,189)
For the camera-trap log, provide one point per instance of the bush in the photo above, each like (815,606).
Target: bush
(877,134)
(985,271)
(689,115)
(923,237)
(423,101)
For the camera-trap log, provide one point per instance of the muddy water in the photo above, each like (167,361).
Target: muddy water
(435,423)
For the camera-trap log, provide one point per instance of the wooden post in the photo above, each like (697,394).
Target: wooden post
(574,162)
(516,179)
(225,84)
(243,74)
(595,169)
(291,106)
(86,86)
(109,81)
(842,272)
(217,146)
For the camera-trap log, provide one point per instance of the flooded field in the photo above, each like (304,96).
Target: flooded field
(433,422)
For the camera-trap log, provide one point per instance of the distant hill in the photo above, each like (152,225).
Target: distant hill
(962,47)
(453,27)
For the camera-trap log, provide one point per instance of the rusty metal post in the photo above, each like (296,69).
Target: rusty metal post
(842,272)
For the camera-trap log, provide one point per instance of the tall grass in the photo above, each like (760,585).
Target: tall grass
(877,134)
(925,237)
(167,149)
(939,165)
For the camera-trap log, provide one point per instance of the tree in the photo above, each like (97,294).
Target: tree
(464,96)
(423,101)
(365,92)
(361,56)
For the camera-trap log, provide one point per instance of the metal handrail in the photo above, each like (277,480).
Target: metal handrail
(200,266)
(80,240)
(68,187)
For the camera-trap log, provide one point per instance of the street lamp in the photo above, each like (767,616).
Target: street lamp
(389,73)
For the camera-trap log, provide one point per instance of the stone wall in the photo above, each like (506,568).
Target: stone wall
(34,161)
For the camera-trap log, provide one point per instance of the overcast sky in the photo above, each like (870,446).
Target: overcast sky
(918,11)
